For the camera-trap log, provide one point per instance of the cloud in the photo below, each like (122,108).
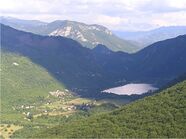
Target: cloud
(114,14)
(163,6)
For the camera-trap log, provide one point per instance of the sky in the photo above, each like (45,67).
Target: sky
(117,15)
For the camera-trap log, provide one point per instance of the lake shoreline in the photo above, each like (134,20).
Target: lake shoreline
(131,89)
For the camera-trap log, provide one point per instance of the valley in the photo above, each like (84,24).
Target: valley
(54,86)
(38,101)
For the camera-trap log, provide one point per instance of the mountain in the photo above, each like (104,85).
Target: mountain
(164,60)
(88,35)
(145,38)
(158,116)
(102,49)
(87,71)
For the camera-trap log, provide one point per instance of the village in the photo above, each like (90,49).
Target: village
(56,103)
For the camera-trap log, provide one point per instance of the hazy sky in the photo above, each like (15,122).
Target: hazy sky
(114,14)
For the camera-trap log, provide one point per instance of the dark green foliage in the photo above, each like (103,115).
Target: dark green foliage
(162,115)
(102,108)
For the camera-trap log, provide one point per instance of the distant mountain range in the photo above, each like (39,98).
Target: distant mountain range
(91,35)
(145,38)
(87,72)
(88,35)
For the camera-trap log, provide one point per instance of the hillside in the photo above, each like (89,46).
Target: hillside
(88,35)
(145,38)
(163,61)
(159,116)
(22,83)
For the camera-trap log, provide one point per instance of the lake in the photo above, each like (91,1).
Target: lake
(132,88)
